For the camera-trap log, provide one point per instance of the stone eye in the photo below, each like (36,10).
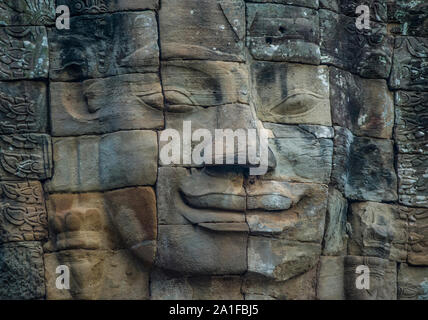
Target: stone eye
(296,104)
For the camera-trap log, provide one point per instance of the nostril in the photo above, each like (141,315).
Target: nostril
(269,40)
(281,29)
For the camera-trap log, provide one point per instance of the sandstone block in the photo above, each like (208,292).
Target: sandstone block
(109,45)
(412,283)
(301,287)
(25,156)
(23,107)
(291,93)
(378,230)
(125,102)
(292,211)
(165,287)
(279,259)
(411,17)
(300,156)
(278,32)
(27,12)
(410,59)
(202,29)
(383,279)
(367,53)
(21,271)
(363,168)
(203,83)
(331,278)
(207,197)
(413,179)
(191,250)
(23,214)
(335,238)
(98,163)
(418,236)
(411,132)
(364,106)
(24,53)
(103,6)
(97,275)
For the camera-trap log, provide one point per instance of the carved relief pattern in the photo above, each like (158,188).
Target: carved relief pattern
(25,156)
(22,107)
(27,12)
(412,122)
(413,179)
(418,237)
(410,67)
(23,53)
(22,212)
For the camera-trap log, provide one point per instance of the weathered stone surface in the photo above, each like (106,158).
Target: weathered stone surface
(411,132)
(118,219)
(383,279)
(292,211)
(165,287)
(418,236)
(125,102)
(25,156)
(105,46)
(301,287)
(202,29)
(378,230)
(283,33)
(203,83)
(412,283)
(280,259)
(303,3)
(80,221)
(23,107)
(96,274)
(21,271)
(133,212)
(331,280)
(363,168)
(23,214)
(411,17)
(335,237)
(209,196)
(24,53)
(231,116)
(110,161)
(413,179)
(300,155)
(103,6)
(332,5)
(409,70)
(364,52)
(27,12)
(291,93)
(364,106)
(378,8)
(191,250)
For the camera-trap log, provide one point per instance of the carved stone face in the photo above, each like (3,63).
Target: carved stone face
(84,182)
(217,219)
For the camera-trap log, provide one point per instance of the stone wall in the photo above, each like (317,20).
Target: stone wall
(82,183)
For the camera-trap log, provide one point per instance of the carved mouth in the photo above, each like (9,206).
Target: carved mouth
(220,203)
